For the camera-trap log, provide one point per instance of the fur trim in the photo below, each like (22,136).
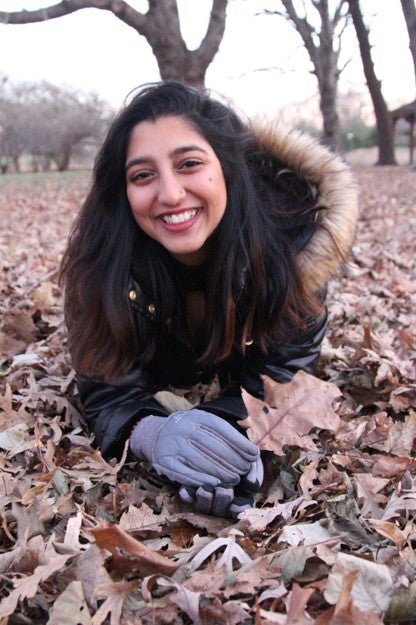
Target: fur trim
(329,247)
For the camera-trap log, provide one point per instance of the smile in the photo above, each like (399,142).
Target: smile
(180,218)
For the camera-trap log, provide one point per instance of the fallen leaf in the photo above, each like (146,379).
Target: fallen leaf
(130,554)
(372,588)
(70,608)
(305,534)
(296,602)
(232,551)
(27,586)
(290,411)
(114,595)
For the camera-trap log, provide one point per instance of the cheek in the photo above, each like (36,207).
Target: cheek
(221,194)
(138,203)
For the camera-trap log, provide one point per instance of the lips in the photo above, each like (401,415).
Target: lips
(173,219)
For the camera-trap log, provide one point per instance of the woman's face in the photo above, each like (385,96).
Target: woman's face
(175,186)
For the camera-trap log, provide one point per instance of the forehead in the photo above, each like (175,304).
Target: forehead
(165,133)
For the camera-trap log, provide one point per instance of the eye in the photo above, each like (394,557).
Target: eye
(141,176)
(190,163)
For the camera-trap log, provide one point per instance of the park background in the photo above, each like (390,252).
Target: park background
(261,66)
(86,542)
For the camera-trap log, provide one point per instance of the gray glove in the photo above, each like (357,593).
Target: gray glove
(194,448)
(209,500)
(224,500)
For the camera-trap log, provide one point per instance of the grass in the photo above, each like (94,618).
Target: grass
(31,180)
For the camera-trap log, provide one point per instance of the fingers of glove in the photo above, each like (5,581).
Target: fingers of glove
(209,500)
(177,471)
(214,501)
(223,496)
(230,506)
(254,478)
(194,422)
(220,428)
(204,498)
(239,504)
(192,468)
(200,446)
(187,494)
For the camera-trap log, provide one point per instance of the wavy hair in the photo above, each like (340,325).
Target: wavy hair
(252,276)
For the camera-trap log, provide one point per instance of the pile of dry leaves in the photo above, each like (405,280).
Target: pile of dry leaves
(84,542)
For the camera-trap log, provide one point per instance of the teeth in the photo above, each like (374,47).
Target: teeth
(179,219)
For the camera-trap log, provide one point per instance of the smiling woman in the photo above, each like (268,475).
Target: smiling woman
(201,254)
(175,187)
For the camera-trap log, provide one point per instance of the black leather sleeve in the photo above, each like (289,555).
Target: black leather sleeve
(111,410)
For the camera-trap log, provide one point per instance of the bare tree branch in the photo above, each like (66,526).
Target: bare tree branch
(409,12)
(323,48)
(159,25)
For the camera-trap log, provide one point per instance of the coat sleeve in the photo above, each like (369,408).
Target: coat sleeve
(281,364)
(111,410)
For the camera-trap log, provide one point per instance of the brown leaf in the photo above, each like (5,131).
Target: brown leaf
(129,554)
(142,518)
(114,595)
(89,569)
(372,587)
(296,603)
(258,519)
(390,530)
(232,551)
(391,466)
(70,608)
(290,411)
(27,586)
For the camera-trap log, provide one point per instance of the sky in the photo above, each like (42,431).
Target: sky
(261,65)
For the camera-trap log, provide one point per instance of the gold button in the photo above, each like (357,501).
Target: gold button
(250,342)
(133,295)
(151,309)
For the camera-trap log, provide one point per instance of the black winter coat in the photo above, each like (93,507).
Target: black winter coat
(111,410)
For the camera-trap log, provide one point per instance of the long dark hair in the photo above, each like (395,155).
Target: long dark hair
(252,278)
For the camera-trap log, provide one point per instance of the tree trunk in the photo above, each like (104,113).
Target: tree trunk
(328,106)
(409,12)
(16,163)
(324,57)
(383,119)
(160,26)
(63,158)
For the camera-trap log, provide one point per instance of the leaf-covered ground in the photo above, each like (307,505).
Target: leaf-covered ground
(332,539)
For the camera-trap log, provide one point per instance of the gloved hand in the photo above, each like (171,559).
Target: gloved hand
(224,500)
(194,448)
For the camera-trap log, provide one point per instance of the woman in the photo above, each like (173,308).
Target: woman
(202,253)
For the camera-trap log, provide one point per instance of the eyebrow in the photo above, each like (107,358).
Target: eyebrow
(177,151)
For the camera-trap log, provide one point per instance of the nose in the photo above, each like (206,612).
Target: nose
(171,190)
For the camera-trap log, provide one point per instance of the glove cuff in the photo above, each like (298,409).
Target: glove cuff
(143,437)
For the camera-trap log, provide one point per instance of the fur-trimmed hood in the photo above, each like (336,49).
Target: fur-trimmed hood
(336,190)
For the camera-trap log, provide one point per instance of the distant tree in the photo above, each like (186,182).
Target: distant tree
(381,112)
(409,12)
(47,123)
(321,28)
(12,133)
(65,118)
(4,161)
(159,25)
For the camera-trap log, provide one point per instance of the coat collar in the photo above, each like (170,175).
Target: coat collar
(321,257)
